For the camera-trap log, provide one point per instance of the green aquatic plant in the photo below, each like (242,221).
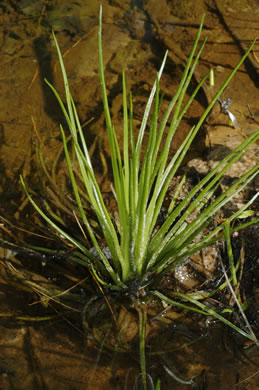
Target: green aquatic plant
(137,248)
(141,250)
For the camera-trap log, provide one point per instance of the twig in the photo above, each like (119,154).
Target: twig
(238,304)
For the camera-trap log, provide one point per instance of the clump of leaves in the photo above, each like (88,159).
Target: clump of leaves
(139,249)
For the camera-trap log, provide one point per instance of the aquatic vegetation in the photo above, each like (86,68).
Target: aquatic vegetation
(136,250)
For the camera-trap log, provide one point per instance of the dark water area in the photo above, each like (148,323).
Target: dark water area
(43,341)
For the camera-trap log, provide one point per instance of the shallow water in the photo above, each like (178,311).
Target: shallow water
(136,34)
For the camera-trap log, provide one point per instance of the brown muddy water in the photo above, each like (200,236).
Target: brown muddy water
(43,344)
